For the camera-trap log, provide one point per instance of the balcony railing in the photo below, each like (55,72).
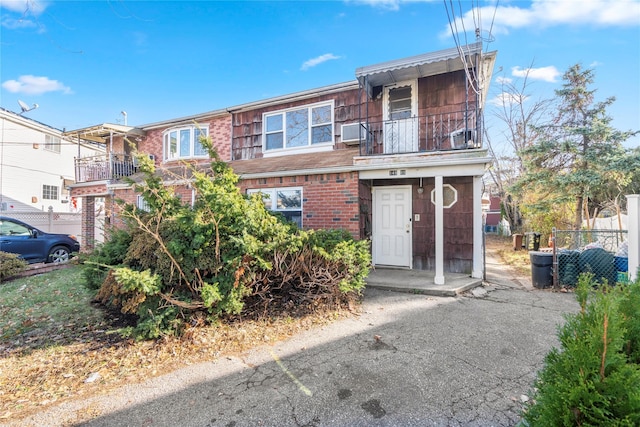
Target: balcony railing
(440,132)
(105,167)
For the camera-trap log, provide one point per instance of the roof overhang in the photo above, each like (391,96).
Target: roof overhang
(428,64)
(101,133)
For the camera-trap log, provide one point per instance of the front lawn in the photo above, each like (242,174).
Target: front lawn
(55,345)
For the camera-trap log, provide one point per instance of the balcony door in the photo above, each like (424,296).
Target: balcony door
(400,109)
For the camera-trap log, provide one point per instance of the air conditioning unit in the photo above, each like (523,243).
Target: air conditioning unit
(462,138)
(135,159)
(352,133)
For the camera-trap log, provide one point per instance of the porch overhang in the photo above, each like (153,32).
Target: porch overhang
(428,64)
(101,133)
(445,168)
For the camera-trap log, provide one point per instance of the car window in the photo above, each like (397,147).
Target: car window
(8,228)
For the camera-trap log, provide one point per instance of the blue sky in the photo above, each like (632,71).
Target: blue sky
(83,62)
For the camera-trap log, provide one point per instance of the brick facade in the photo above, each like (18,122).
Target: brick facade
(330,201)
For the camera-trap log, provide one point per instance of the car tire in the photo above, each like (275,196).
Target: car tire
(59,254)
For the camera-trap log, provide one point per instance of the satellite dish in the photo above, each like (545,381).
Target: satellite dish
(24,107)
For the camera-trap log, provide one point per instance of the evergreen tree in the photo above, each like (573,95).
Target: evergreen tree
(577,152)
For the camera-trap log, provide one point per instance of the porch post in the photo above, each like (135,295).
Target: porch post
(477,271)
(439,277)
(633,230)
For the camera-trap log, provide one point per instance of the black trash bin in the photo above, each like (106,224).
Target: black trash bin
(568,267)
(600,263)
(532,241)
(541,269)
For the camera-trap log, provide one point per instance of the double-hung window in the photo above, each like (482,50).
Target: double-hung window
(184,142)
(49,192)
(286,201)
(52,143)
(299,128)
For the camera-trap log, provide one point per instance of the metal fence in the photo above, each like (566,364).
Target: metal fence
(602,253)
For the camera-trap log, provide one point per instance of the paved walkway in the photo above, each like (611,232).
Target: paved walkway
(407,360)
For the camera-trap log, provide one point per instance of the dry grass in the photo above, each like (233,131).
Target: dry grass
(46,359)
(503,247)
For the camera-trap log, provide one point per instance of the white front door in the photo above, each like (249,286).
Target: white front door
(400,109)
(392,226)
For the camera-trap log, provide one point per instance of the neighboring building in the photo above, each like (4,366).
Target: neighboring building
(493,214)
(37,165)
(395,156)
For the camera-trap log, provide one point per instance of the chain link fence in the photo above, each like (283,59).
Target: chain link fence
(600,252)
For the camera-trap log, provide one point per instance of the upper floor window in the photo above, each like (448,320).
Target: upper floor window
(184,142)
(49,192)
(301,128)
(52,143)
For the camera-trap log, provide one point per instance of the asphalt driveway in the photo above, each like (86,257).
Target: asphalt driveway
(408,360)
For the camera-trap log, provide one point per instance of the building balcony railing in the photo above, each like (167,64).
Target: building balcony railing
(440,132)
(105,167)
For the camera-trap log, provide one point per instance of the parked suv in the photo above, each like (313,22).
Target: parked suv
(34,245)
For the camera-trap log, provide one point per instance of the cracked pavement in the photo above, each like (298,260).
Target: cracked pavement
(407,360)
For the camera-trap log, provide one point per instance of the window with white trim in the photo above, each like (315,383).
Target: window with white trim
(49,192)
(142,204)
(286,201)
(184,142)
(52,143)
(299,128)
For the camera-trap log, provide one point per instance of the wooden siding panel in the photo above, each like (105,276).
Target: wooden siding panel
(247,125)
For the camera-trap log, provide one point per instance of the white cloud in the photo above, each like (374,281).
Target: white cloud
(14,24)
(388,4)
(26,7)
(20,14)
(318,60)
(507,98)
(503,80)
(547,74)
(548,13)
(382,4)
(34,85)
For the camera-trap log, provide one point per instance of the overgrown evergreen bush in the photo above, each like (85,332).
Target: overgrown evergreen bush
(594,378)
(10,265)
(177,264)
(110,253)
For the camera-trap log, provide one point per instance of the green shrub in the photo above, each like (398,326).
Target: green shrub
(178,264)
(593,380)
(10,265)
(110,253)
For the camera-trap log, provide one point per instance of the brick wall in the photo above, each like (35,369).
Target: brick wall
(330,201)
(93,190)
(219,130)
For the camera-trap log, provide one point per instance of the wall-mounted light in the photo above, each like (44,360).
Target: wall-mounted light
(420,188)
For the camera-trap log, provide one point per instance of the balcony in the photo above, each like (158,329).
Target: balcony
(105,167)
(439,132)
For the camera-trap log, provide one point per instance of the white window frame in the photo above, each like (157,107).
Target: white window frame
(52,143)
(191,131)
(142,204)
(270,199)
(309,147)
(50,192)
(452,192)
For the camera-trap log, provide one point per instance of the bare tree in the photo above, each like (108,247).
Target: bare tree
(521,116)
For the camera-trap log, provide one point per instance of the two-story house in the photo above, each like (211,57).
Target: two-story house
(395,156)
(37,165)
